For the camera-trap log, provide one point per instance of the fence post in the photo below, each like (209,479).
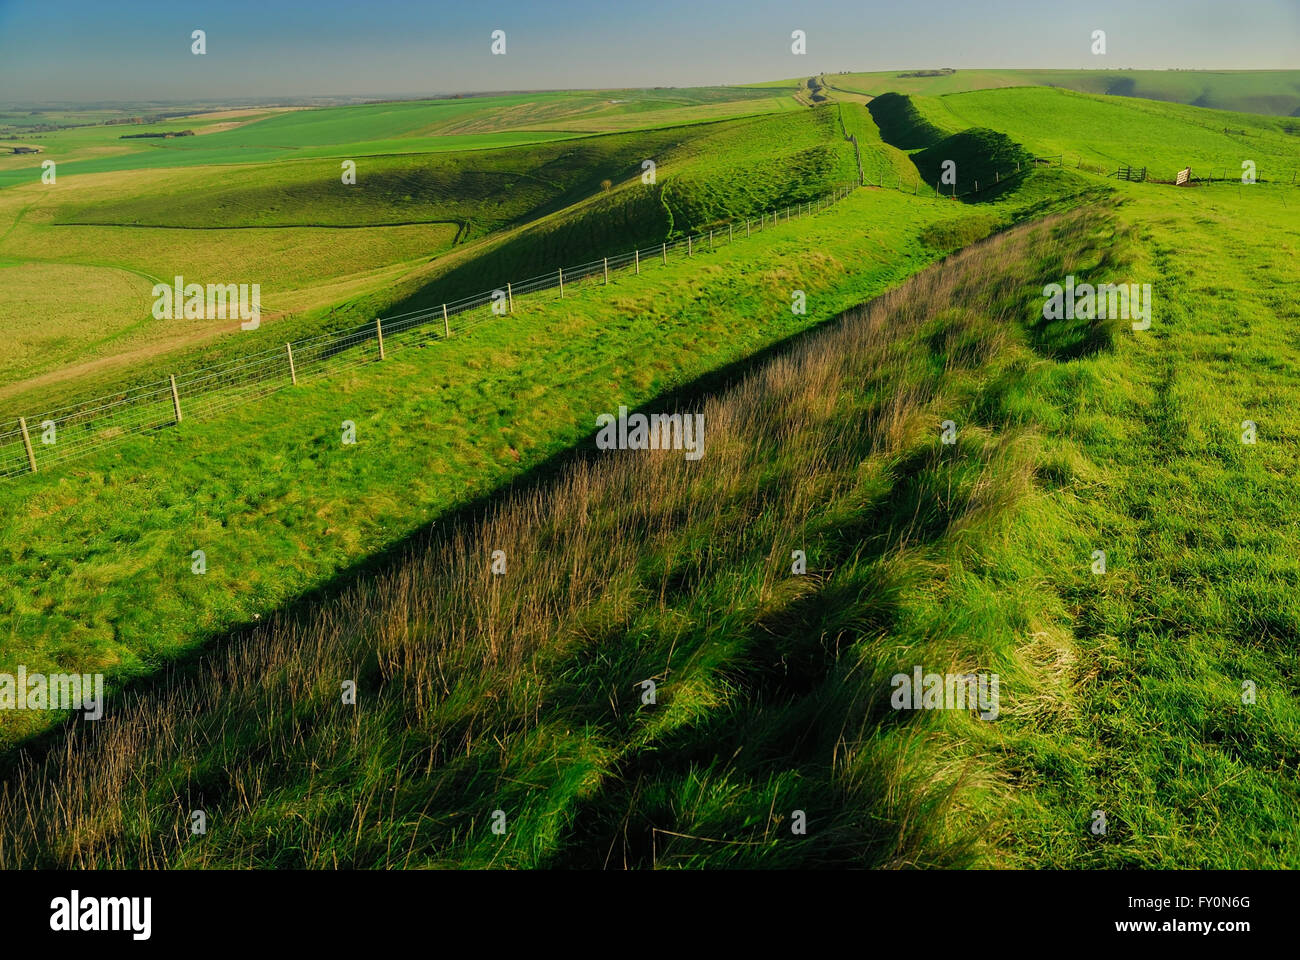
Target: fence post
(607,271)
(27,442)
(665,253)
(293,373)
(510,297)
(379,332)
(729,237)
(176,399)
(561,283)
(710,241)
(446,327)
(637,254)
(689,249)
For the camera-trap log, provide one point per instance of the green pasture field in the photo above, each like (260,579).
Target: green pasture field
(1274,92)
(1165,137)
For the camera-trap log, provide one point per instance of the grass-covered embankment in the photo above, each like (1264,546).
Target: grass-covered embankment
(95,556)
(523,692)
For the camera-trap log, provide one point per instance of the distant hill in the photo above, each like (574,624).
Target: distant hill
(1275,92)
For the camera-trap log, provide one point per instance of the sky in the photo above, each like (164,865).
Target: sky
(131,50)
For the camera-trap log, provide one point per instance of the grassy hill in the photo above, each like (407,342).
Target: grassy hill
(313,242)
(1123,689)
(419,126)
(1274,92)
(783,670)
(524,693)
(1163,136)
(284,507)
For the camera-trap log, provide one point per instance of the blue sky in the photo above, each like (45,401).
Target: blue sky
(140,49)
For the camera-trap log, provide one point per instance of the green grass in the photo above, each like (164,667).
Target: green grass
(282,506)
(1166,137)
(630,568)
(536,208)
(423,126)
(1244,91)
(1122,691)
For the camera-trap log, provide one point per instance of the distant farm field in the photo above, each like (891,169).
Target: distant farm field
(422,126)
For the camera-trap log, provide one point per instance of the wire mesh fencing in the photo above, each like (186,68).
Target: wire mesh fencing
(31,444)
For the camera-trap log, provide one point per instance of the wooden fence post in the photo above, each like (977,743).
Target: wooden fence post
(637,254)
(729,237)
(510,298)
(27,442)
(665,253)
(446,327)
(607,271)
(561,283)
(176,399)
(293,372)
(379,332)
(710,241)
(689,250)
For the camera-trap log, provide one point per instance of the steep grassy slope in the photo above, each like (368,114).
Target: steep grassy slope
(1121,689)
(522,693)
(313,242)
(94,558)
(736,170)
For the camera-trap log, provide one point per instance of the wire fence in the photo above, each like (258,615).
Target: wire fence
(31,444)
